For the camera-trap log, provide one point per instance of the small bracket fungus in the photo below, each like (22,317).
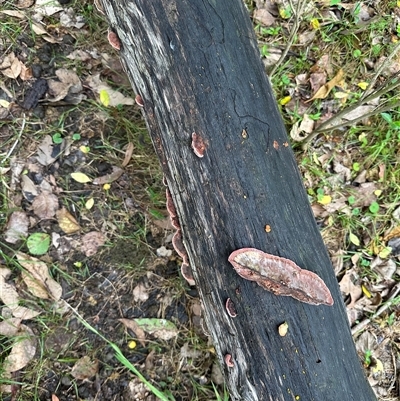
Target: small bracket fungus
(113,39)
(230,308)
(177,241)
(198,145)
(187,274)
(229,361)
(280,276)
(139,101)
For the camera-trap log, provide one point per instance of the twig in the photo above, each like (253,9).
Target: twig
(360,326)
(16,141)
(347,123)
(380,69)
(298,13)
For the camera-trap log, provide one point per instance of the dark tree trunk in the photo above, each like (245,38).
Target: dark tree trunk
(197,68)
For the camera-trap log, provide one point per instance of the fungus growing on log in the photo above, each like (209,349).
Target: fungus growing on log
(187,274)
(198,145)
(113,39)
(229,361)
(280,276)
(230,308)
(139,100)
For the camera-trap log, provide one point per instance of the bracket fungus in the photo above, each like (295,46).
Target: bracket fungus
(229,361)
(113,39)
(230,308)
(177,241)
(280,276)
(198,145)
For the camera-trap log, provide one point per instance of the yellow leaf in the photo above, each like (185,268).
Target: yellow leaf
(385,252)
(84,149)
(285,100)
(325,200)
(4,103)
(285,13)
(363,85)
(67,222)
(324,90)
(106,187)
(89,203)
(132,344)
(365,291)
(341,95)
(104,97)
(354,239)
(378,192)
(314,23)
(80,177)
(378,366)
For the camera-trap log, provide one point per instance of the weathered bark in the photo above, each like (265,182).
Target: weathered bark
(196,66)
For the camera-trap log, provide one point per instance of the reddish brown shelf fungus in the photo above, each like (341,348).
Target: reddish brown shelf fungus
(139,100)
(229,361)
(198,145)
(230,308)
(280,276)
(177,241)
(113,39)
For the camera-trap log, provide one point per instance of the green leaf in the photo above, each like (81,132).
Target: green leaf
(354,239)
(356,166)
(57,138)
(38,243)
(387,117)
(351,200)
(374,207)
(76,136)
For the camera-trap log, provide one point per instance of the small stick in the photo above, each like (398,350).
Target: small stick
(360,326)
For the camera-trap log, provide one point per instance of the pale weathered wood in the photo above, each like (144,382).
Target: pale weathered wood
(197,68)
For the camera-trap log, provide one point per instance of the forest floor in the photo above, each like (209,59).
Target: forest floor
(93,306)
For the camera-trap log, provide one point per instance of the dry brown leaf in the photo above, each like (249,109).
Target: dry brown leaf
(128,154)
(108,178)
(10,298)
(264,17)
(307,124)
(10,326)
(85,368)
(324,90)
(37,278)
(14,13)
(116,98)
(68,83)
(140,293)
(11,67)
(394,233)
(91,242)
(22,352)
(67,222)
(26,73)
(45,151)
(17,227)
(45,205)
(139,332)
(348,287)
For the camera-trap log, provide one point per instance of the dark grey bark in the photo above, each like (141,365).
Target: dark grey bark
(197,68)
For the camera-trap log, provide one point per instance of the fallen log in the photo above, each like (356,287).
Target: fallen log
(239,203)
